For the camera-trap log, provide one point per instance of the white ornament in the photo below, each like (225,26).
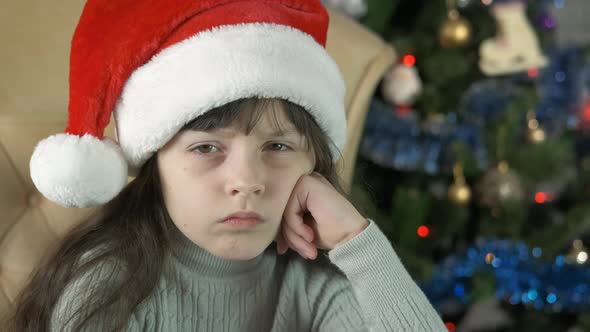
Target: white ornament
(401,85)
(515,48)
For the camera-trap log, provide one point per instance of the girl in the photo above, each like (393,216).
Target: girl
(230,115)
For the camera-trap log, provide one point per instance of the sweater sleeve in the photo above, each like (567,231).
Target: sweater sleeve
(387,295)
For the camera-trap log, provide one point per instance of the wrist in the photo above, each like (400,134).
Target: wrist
(364,223)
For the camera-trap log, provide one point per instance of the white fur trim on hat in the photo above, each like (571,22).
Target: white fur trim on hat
(221,65)
(78,171)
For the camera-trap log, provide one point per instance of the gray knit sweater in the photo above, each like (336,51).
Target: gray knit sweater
(359,286)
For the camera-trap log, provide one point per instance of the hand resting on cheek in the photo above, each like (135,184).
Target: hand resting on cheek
(317,216)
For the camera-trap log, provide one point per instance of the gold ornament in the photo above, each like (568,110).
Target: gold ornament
(455,31)
(500,185)
(578,253)
(459,192)
(490,257)
(535,133)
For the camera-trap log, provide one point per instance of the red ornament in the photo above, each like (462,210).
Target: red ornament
(543,197)
(409,60)
(402,109)
(540,197)
(450,326)
(533,72)
(423,231)
(584,122)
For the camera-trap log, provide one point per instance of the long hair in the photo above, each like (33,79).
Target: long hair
(134,229)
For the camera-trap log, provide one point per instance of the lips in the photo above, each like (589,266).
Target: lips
(243,215)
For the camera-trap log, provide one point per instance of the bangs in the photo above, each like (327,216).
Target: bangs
(243,114)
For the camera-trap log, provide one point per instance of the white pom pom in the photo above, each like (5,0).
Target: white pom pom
(76,171)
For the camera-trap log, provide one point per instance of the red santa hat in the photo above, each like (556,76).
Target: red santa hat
(159,64)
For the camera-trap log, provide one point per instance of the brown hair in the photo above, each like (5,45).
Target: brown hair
(135,225)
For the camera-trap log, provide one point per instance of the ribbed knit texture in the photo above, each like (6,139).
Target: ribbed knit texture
(359,286)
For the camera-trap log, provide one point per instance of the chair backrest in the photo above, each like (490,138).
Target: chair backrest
(33,104)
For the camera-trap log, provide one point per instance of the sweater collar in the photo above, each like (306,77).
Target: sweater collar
(203,262)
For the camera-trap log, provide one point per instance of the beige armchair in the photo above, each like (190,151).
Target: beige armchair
(33,104)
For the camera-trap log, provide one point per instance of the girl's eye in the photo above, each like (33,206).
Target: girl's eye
(279,147)
(204,148)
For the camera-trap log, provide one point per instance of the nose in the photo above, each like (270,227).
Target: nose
(244,176)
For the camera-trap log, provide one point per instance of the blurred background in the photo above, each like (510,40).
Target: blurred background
(475,156)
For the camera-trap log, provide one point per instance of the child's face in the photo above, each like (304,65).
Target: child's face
(207,176)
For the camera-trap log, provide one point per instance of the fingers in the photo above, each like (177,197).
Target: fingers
(307,234)
(297,225)
(300,245)
(296,233)
(287,238)
(294,213)
(282,245)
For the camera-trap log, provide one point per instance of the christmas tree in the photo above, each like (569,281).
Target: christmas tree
(475,159)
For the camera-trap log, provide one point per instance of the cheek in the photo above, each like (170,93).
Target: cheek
(185,194)
(281,184)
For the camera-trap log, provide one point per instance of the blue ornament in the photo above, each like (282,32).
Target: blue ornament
(522,277)
(485,99)
(401,142)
